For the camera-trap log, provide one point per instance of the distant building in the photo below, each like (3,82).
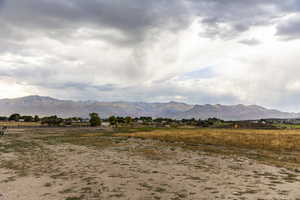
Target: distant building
(85,120)
(282,121)
(294,121)
(105,124)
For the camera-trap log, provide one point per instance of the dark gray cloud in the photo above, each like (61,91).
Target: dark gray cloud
(227,19)
(133,18)
(289,29)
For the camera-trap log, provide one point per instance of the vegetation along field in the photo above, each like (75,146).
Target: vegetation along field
(147,163)
(17,124)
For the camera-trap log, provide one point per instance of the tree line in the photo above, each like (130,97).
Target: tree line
(114,121)
(17,117)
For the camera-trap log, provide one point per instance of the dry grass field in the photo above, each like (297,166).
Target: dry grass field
(280,147)
(17,124)
(247,138)
(150,164)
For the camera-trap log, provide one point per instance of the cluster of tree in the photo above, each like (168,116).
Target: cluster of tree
(17,117)
(2,118)
(145,119)
(52,121)
(164,120)
(95,120)
(71,120)
(57,121)
(114,121)
(209,122)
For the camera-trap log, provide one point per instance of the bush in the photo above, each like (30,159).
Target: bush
(95,119)
(52,120)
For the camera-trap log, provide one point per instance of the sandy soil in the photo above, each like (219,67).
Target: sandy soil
(137,170)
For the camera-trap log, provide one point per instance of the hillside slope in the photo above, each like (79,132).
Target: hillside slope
(37,105)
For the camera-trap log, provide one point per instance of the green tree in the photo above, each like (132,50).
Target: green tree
(15,117)
(36,118)
(27,118)
(113,121)
(120,120)
(128,120)
(2,118)
(68,121)
(146,119)
(52,120)
(95,120)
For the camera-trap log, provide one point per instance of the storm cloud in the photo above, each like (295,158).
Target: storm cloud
(142,50)
(289,29)
(133,19)
(129,20)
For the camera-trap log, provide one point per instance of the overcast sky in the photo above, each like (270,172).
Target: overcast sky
(194,51)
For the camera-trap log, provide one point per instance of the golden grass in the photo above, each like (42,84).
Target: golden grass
(275,147)
(257,139)
(16,124)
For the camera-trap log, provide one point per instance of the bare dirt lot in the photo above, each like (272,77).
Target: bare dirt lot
(80,164)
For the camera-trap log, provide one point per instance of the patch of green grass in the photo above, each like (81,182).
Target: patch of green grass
(221,124)
(86,190)
(66,191)
(61,175)
(74,198)
(18,146)
(132,130)
(287,126)
(160,189)
(20,168)
(146,185)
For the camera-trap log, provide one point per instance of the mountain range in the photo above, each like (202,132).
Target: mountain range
(45,106)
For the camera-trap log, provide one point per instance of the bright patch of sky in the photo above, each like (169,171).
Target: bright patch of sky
(205,73)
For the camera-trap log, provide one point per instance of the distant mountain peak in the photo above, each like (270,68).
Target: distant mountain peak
(44,106)
(37,97)
(177,103)
(34,98)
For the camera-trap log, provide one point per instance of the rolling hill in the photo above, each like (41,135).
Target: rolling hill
(44,106)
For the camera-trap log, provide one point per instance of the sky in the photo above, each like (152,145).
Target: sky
(193,51)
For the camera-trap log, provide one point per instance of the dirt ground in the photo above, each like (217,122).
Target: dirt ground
(39,165)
